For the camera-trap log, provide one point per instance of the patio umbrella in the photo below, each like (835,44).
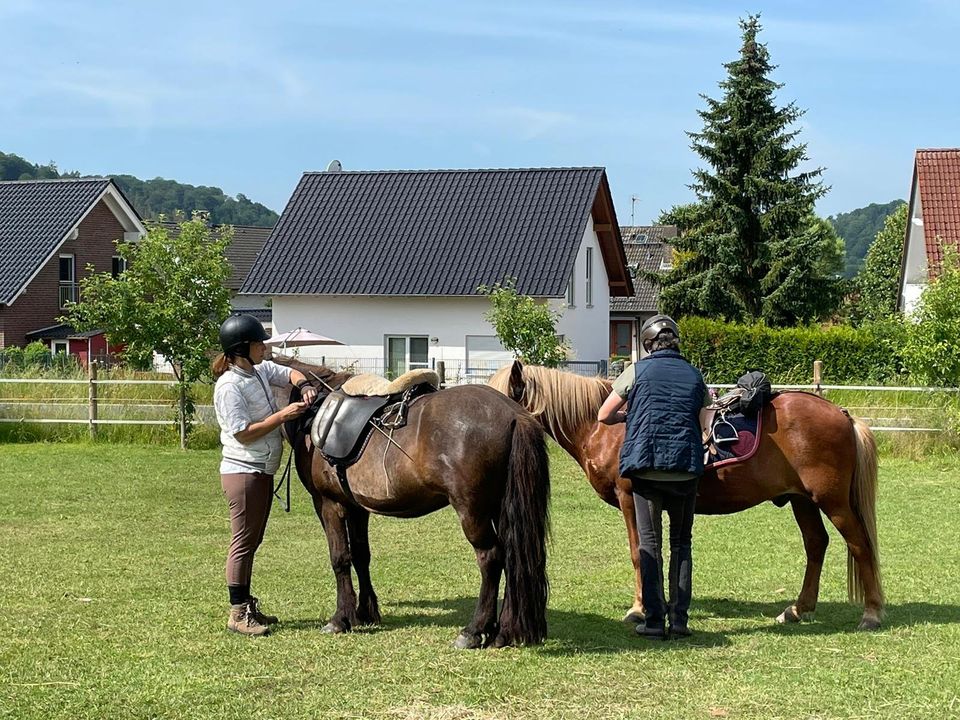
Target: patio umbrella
(300,338)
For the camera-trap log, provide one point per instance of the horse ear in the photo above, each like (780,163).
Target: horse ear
(517,384)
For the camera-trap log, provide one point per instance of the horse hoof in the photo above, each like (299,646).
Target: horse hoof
(331,628)
(467,642)
(789,616)
(869,624)
(634,618)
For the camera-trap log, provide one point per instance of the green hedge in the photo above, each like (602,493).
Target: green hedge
(851,356)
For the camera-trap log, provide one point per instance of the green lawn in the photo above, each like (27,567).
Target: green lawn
(113,606)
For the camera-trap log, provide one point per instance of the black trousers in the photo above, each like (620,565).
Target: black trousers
(651,498)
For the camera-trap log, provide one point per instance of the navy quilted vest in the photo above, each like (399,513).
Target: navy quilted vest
(663,417)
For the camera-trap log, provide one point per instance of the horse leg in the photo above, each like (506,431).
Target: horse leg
(482,629)
(358,525)
(333,519)
(846,521)
(635,614)
(815,540)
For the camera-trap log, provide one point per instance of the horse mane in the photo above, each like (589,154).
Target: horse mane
(561,400)
(313,372)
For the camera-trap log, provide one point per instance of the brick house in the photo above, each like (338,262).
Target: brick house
(50,231)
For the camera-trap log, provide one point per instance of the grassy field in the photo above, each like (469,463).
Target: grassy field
(113,606)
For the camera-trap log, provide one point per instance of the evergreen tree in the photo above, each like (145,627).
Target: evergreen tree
(756,251)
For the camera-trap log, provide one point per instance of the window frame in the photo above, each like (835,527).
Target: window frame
(588,291)
(69,285)
(407,362)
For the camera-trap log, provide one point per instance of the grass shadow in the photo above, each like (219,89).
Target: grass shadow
(570,633)
(830,617)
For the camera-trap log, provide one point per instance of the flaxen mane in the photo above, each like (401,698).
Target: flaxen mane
(561,400)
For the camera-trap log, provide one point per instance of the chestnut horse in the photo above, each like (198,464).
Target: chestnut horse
(468,447)
(812,454)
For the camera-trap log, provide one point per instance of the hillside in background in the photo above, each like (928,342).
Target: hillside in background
(158,196)
(858,228)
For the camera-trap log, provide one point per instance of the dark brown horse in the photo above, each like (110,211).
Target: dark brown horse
(468,447)
(812,454)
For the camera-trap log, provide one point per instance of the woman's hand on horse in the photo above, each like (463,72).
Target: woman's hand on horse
(309,394)
(293,410)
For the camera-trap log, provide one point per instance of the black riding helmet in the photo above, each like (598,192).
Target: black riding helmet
(238,331)
(652,328)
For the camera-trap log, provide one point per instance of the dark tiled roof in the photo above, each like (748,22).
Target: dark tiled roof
(242,250)
(645,256)
(61,332)
(430,232)
(938,176)
(35,215)
(647,233)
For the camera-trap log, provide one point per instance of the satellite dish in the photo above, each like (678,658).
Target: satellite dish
(334,166)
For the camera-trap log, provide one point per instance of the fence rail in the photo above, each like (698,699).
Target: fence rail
(894,414)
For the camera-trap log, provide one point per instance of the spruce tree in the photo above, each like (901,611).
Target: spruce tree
(757,252)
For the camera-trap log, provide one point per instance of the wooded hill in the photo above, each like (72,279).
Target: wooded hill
(859,228)
(154,197)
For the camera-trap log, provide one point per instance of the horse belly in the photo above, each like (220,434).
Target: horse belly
(735,489)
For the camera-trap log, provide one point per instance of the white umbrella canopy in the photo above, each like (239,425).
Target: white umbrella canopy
(300,338)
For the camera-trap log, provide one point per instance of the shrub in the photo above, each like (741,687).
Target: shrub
(724,351)
(36,354)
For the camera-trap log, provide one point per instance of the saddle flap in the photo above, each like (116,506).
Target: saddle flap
(342,423)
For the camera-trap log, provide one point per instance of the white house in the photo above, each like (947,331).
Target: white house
(389,262)
(934,220)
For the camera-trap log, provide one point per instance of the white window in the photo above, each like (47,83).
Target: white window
(485,354)
(405,352)
(570,293)
(117,266)
(589,291)
(59,346)
(68,278)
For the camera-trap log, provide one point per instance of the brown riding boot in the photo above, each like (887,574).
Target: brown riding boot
(243,621)
(261,618)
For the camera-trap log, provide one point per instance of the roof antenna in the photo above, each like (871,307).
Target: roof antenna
(633,204)
(334,166)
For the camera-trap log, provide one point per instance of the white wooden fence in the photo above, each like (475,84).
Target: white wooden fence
(894,417)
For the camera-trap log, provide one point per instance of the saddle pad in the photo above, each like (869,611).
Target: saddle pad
(376,385)
(747,443)
(342,423)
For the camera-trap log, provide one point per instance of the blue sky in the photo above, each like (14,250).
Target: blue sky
(248,95)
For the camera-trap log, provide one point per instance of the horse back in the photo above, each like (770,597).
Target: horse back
(807,447)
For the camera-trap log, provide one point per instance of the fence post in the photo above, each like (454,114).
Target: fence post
(182,414)
(818,376)
(441,368)
(92,398)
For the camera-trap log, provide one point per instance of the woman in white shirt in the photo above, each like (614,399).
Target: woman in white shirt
(252,445)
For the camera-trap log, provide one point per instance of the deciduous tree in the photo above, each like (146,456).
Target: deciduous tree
(525,327)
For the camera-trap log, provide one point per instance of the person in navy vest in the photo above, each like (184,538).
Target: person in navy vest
(663,455)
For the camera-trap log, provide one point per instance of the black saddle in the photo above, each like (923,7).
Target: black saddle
(343,423)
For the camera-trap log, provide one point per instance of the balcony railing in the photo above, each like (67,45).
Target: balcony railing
(69,292)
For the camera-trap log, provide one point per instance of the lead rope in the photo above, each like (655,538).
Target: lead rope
(285,478)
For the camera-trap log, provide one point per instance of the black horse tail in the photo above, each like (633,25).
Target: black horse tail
(523,528)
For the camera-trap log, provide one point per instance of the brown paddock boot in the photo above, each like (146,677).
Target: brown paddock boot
(261,618)
(243,621)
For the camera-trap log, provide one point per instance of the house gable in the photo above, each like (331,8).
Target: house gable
(38,216)
(933,218)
